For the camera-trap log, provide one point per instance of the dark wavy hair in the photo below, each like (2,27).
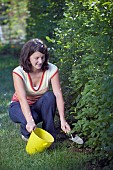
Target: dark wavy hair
(28,49)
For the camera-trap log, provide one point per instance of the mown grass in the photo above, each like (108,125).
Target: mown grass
(6,86)
(13,153)
(14,156)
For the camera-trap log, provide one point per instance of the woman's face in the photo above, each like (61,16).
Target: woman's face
(37,59)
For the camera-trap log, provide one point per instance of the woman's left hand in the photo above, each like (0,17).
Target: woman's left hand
(65,126)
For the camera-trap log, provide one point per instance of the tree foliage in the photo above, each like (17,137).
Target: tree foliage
(42,18)
(84,43)
(13,15)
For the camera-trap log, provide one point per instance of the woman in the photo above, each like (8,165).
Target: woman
(32,101)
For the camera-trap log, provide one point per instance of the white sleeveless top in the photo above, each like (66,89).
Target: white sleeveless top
(33,93)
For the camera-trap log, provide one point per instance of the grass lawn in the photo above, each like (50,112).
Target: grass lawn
(14,156)
(13,153)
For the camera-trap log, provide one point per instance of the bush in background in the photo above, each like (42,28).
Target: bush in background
(10,49)
(83,48)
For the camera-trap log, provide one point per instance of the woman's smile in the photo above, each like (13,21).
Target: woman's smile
(37,59)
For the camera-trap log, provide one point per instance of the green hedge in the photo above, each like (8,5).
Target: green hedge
(83,48)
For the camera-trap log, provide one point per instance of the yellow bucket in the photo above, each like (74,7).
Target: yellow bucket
(38,141)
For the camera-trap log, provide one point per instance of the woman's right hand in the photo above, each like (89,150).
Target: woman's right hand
(30,126)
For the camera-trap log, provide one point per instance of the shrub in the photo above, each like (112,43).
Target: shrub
(83,48)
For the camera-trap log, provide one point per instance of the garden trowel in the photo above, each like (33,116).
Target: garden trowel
(76,139)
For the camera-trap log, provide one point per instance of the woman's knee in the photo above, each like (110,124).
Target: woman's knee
(16,114)
(50,97)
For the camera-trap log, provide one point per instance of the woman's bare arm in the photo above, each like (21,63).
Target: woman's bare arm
(20,91)
(60,102)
